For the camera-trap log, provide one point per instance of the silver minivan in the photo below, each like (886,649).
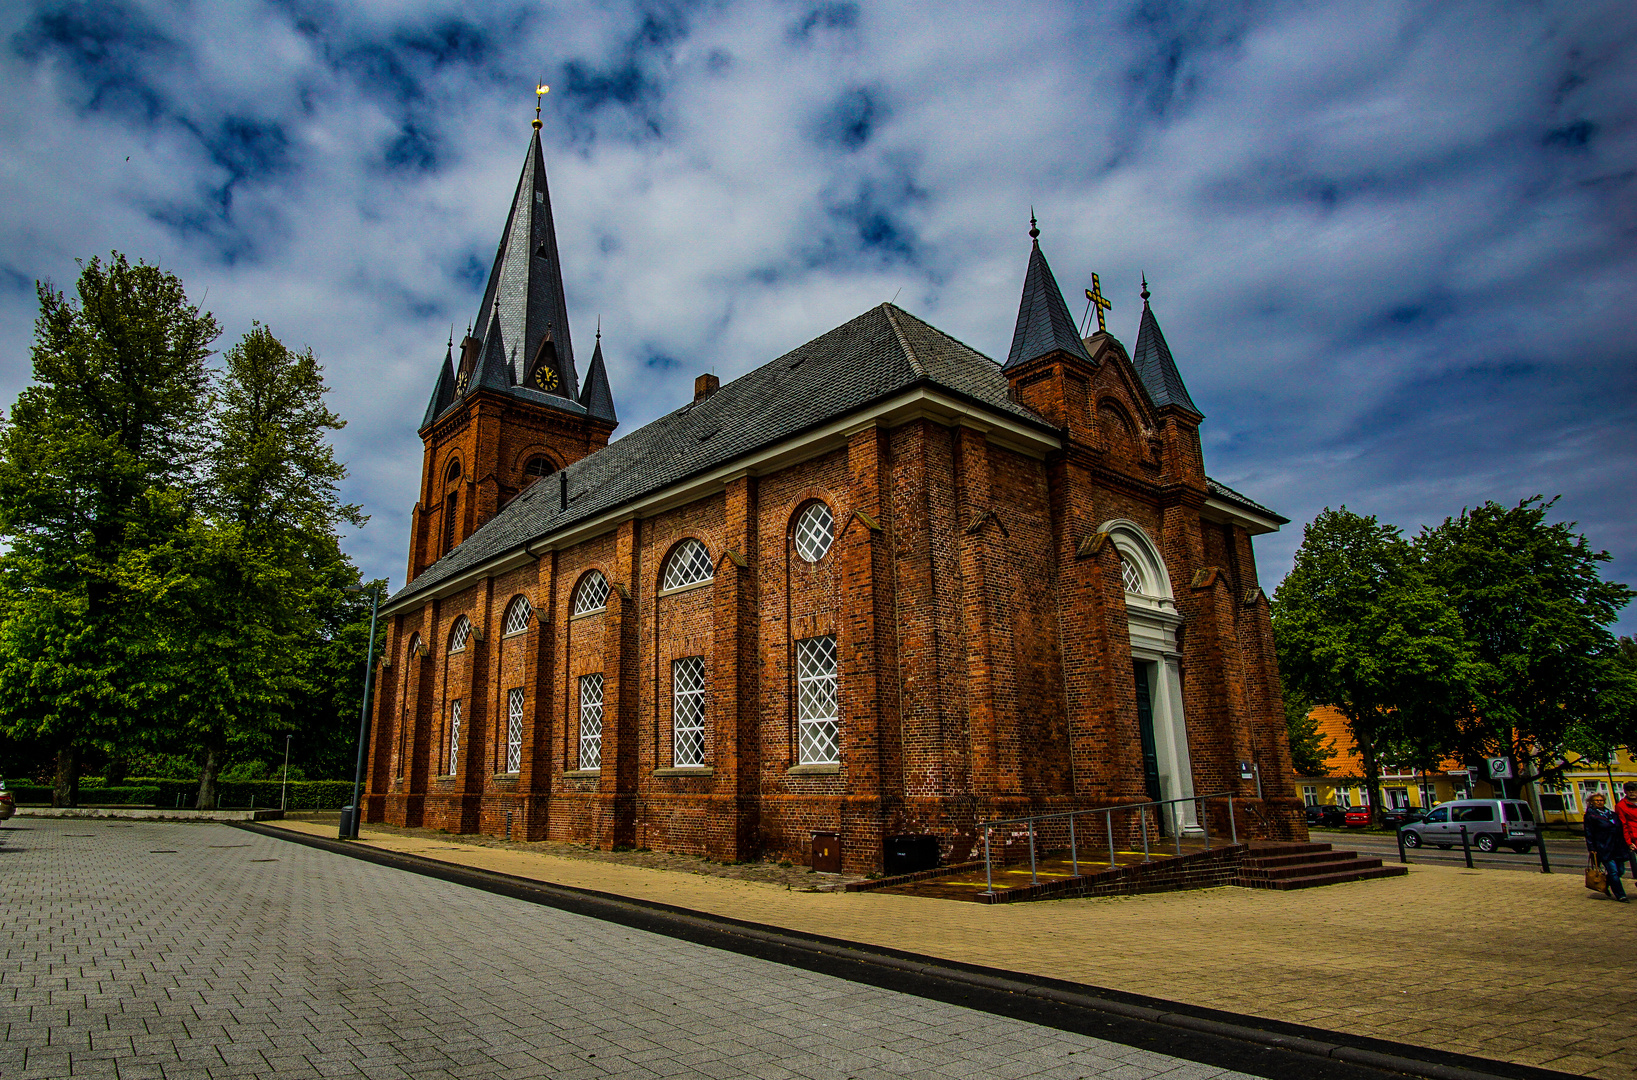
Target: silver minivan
(1490,823)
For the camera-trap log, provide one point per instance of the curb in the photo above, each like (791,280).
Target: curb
(1229,1040)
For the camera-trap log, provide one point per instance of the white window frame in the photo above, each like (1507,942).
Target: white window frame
(591,721)
(459,635)
(689,564)
(818,701)
(1310,795)
(518,613)
(454,738)
(514,729)
(815,531)
(592,594)
(688,700)
(1344,798)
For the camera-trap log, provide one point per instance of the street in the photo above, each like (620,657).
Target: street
(1567,854)
(193,950)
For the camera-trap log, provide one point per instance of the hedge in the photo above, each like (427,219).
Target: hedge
(303,794)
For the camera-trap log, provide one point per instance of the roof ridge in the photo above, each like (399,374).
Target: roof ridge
(903,342)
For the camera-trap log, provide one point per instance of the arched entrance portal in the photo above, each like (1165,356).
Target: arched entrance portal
(1152,615)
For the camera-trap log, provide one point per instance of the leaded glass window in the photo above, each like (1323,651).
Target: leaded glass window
(514,729)
(517,616)
(592,594)
(690,563)
(591,721)
(458,636)
(1130,575)
(815,531)
(688,711)
(454,737)
(818,713)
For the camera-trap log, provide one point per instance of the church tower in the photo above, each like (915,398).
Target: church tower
(509,409)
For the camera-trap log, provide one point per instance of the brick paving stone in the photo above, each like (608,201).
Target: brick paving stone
(120,961)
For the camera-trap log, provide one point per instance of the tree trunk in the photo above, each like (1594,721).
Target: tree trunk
(118,766)
(66,790)
(1372,776)
(209,768)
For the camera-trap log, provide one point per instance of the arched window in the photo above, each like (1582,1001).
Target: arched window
(815,531)
(517,615)
(592,595)
(536,468)
(689,564)
(414,646)
(452,473)
(1142,571)
(1115,420)
(457,636)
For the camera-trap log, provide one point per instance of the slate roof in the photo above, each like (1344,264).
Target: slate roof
(1152,359)
(1043,319)
(443,391)
(598,398)
(880,353)
(1228,494)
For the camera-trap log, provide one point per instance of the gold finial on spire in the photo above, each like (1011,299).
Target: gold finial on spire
(1098,301)
(540,91)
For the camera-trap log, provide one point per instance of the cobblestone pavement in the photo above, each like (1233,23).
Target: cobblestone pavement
(180,951)
(1525,968)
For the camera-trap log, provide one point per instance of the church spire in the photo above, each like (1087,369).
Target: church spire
(1043,321)
(443,390)
(1152,359)
(598,398)
(523,305)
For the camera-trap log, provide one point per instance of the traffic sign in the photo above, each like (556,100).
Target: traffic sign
(1500,768)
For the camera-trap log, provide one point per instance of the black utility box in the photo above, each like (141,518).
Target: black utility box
(910,854)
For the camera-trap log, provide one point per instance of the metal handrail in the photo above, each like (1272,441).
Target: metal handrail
(1108,821)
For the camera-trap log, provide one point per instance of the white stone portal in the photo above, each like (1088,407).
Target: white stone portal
(1152,614)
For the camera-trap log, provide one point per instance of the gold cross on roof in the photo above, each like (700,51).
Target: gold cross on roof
(540,91)
(1098,301)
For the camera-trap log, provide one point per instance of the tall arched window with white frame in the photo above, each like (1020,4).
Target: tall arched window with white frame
(591,721)
(459,634)
(688,712)
(591,595)
(454,737)
(818,704)
(514,729)
(518,613)
(689,564)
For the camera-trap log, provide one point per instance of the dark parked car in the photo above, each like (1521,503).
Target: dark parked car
(1328,817)
(1402,815)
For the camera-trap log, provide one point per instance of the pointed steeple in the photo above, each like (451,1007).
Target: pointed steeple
(443,391)
(1152,359)
(598,399)
(1043,320)
(525,292)
(494,367)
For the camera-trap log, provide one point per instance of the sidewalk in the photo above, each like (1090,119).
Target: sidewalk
(1514,967)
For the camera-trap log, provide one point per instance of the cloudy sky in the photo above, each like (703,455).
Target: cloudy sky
(1391,245)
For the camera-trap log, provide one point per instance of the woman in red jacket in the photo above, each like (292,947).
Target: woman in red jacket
(1626,808)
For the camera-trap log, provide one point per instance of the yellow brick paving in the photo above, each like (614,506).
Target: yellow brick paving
(1527,968)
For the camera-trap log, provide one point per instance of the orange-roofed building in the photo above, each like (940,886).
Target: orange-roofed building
(1342,782)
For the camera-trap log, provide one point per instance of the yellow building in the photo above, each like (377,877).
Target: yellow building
(1342,783)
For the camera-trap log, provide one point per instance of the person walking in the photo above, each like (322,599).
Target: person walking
(1626,811)
(1606,840)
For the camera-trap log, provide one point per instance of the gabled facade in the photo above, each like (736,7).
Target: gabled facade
(880,585)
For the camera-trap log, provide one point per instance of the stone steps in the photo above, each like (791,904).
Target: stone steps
(1307,866)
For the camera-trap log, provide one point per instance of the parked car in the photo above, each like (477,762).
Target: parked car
(8,805)
(1356,817)
(1397,816)
(1490,824)
(1328,817)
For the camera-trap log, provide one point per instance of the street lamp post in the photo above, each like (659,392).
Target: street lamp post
(350,828)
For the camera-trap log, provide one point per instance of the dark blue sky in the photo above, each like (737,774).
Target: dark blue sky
(1392,246)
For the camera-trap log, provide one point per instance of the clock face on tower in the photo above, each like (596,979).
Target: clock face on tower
(545,378)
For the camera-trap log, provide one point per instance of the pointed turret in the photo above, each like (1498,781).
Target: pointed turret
(523,304)
(443,391)
(494,368)
(1043,321)
(1152,359)
(598,398)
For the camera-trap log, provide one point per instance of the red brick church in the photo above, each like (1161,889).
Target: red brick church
(881,585)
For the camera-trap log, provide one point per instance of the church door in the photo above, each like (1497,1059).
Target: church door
(1145,725)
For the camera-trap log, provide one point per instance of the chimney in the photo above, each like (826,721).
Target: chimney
(705,386)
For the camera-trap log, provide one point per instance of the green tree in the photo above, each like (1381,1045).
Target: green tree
(1359,627)
(1536,612)
(96,469)
(267,566)
(1310,751)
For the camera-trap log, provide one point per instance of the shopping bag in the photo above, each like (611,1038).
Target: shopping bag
(1596,879)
